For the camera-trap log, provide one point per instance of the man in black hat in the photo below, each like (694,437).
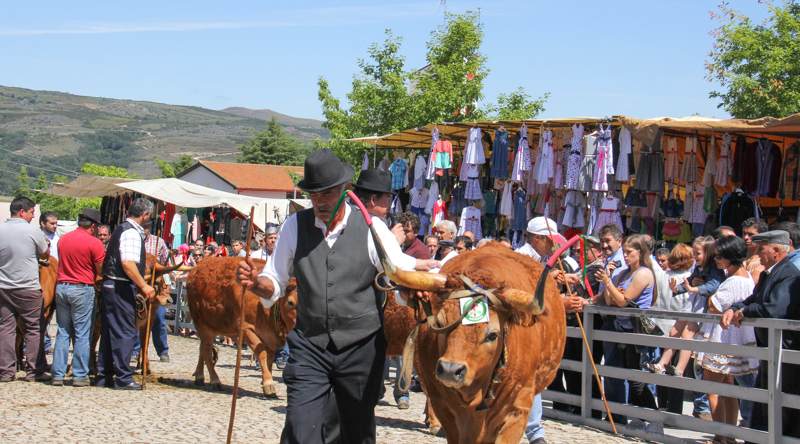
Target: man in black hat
(81,264)
(777,295)
(338,342)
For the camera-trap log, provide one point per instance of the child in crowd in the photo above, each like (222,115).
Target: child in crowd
(702,283)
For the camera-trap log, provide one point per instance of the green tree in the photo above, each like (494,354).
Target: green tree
(166,169)
(757,64)
(24,188)
(386,98)
(174,168)
(107,171)
(67,208)
(273,146)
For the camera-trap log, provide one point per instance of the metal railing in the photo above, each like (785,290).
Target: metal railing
(774,354)
(181,310)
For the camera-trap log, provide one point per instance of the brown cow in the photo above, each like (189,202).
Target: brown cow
(48,275)
(214,302)
(458,368)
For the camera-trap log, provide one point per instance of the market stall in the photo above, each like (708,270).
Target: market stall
(646,175)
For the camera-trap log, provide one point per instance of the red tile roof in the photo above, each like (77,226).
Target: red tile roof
(248,176)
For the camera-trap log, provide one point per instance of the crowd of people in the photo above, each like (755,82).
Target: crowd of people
(755,276)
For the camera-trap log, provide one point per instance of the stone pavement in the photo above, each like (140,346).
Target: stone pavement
(174,410)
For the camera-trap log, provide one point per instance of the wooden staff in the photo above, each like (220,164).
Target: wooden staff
(586,342)
(149,316)
(241,334)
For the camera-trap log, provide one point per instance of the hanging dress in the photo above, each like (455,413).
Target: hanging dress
(586,172)
(625,149)
(609,214)
(650,173)
(724,163)
(671,170)
(544,162)
(575,157)
(710,169)
(500,155)
(520,212)
(430,170)
(604,162)
(522,159)
(473,189)
(507,200)
(561,157)
(688,202)
(574,204)
(690,173)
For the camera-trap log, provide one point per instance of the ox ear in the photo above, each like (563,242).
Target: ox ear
(523,301)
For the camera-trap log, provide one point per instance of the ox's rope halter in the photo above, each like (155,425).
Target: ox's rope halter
(477,293)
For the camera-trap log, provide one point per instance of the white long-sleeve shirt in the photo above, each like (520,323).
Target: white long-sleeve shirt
(280,268)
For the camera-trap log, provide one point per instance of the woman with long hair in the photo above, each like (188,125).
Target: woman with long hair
(638,284)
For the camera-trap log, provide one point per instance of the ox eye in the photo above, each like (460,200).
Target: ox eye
(491,337)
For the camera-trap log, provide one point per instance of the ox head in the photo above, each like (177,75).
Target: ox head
(288,306)
(469,354)
(162,296)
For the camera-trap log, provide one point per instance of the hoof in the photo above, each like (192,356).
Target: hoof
(437,431)
(269,391)
(216,386)
(199,382)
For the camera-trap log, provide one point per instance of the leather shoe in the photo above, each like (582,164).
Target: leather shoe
(131,386)
(44,377)
(164,358)
(280,364)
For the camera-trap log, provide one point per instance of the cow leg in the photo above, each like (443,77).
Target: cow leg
(207,355)
(265,358)
(199,371)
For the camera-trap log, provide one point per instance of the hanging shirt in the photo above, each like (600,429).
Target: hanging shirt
(365,163)
(420,168)
(398,168)
(430,170)
(471,221)
(418,197)
(433,195)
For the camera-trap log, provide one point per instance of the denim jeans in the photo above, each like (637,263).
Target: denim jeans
(158,332)
(746,406)
(74,315)
(535,429)
(282,353)
(701,404)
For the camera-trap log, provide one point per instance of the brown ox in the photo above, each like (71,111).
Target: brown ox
(214,301)
(48,275)
(162,297)
(457,368)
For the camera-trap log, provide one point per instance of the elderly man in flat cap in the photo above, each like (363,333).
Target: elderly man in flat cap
(777,295)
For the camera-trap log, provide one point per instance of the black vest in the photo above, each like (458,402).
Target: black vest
(112,266)
(337,300)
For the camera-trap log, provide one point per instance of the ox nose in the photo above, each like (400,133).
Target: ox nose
(168,302)
(451,373)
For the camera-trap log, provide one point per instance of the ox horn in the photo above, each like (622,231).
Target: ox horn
(418,280)
(160,269)
(524,301)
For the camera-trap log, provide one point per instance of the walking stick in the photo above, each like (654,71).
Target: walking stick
(241,334)
(583,332)
(150,315)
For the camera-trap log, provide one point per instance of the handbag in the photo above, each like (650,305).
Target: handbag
(643,324)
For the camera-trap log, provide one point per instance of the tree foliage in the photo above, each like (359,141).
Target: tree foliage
(757,65)
(174,168)
(273,146)
(386,97)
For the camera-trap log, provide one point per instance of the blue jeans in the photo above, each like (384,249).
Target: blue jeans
(74,315)
(745,405)
(158,331)
(701,404)
(282,353)
(535,429)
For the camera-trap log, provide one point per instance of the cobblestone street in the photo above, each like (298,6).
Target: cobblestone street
(174,410)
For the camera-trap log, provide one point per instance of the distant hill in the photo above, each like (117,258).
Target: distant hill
(67,130)
(283,119)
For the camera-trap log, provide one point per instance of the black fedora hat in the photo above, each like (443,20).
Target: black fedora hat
(375,180)
(323,170)
(92,214)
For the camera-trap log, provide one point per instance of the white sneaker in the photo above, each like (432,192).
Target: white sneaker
(637,424)
(655,427)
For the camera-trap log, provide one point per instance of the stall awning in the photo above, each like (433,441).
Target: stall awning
(88,186)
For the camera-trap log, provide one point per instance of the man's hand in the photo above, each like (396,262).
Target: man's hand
(427,264)
(731,317)
(558,275)
(399,234)
(572,303)
(573,279)
(247,274)
(149,292)
(406,294)
(696,282)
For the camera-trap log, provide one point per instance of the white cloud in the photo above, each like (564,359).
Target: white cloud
(308,17)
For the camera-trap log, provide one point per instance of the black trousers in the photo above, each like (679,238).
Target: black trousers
(573,349)
(355,375)
(117,333)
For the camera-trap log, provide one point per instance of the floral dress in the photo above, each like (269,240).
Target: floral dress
(690,173)
(575,157)
(724,166)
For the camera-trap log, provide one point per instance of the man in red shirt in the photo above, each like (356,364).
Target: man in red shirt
(412,245)
(79,265)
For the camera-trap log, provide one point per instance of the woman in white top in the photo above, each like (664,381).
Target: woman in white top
(731,253)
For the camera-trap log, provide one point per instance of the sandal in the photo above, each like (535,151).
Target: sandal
(654,368)
(671,370)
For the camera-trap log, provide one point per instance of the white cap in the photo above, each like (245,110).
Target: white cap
(539,225)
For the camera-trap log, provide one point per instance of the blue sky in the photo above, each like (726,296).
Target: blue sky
(637,58)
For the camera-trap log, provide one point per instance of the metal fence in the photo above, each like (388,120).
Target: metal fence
(179,307)
(773,354)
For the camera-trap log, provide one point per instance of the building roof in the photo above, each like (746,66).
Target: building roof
(250,177)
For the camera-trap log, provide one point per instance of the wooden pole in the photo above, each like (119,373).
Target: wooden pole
(241,335)
(149,306)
